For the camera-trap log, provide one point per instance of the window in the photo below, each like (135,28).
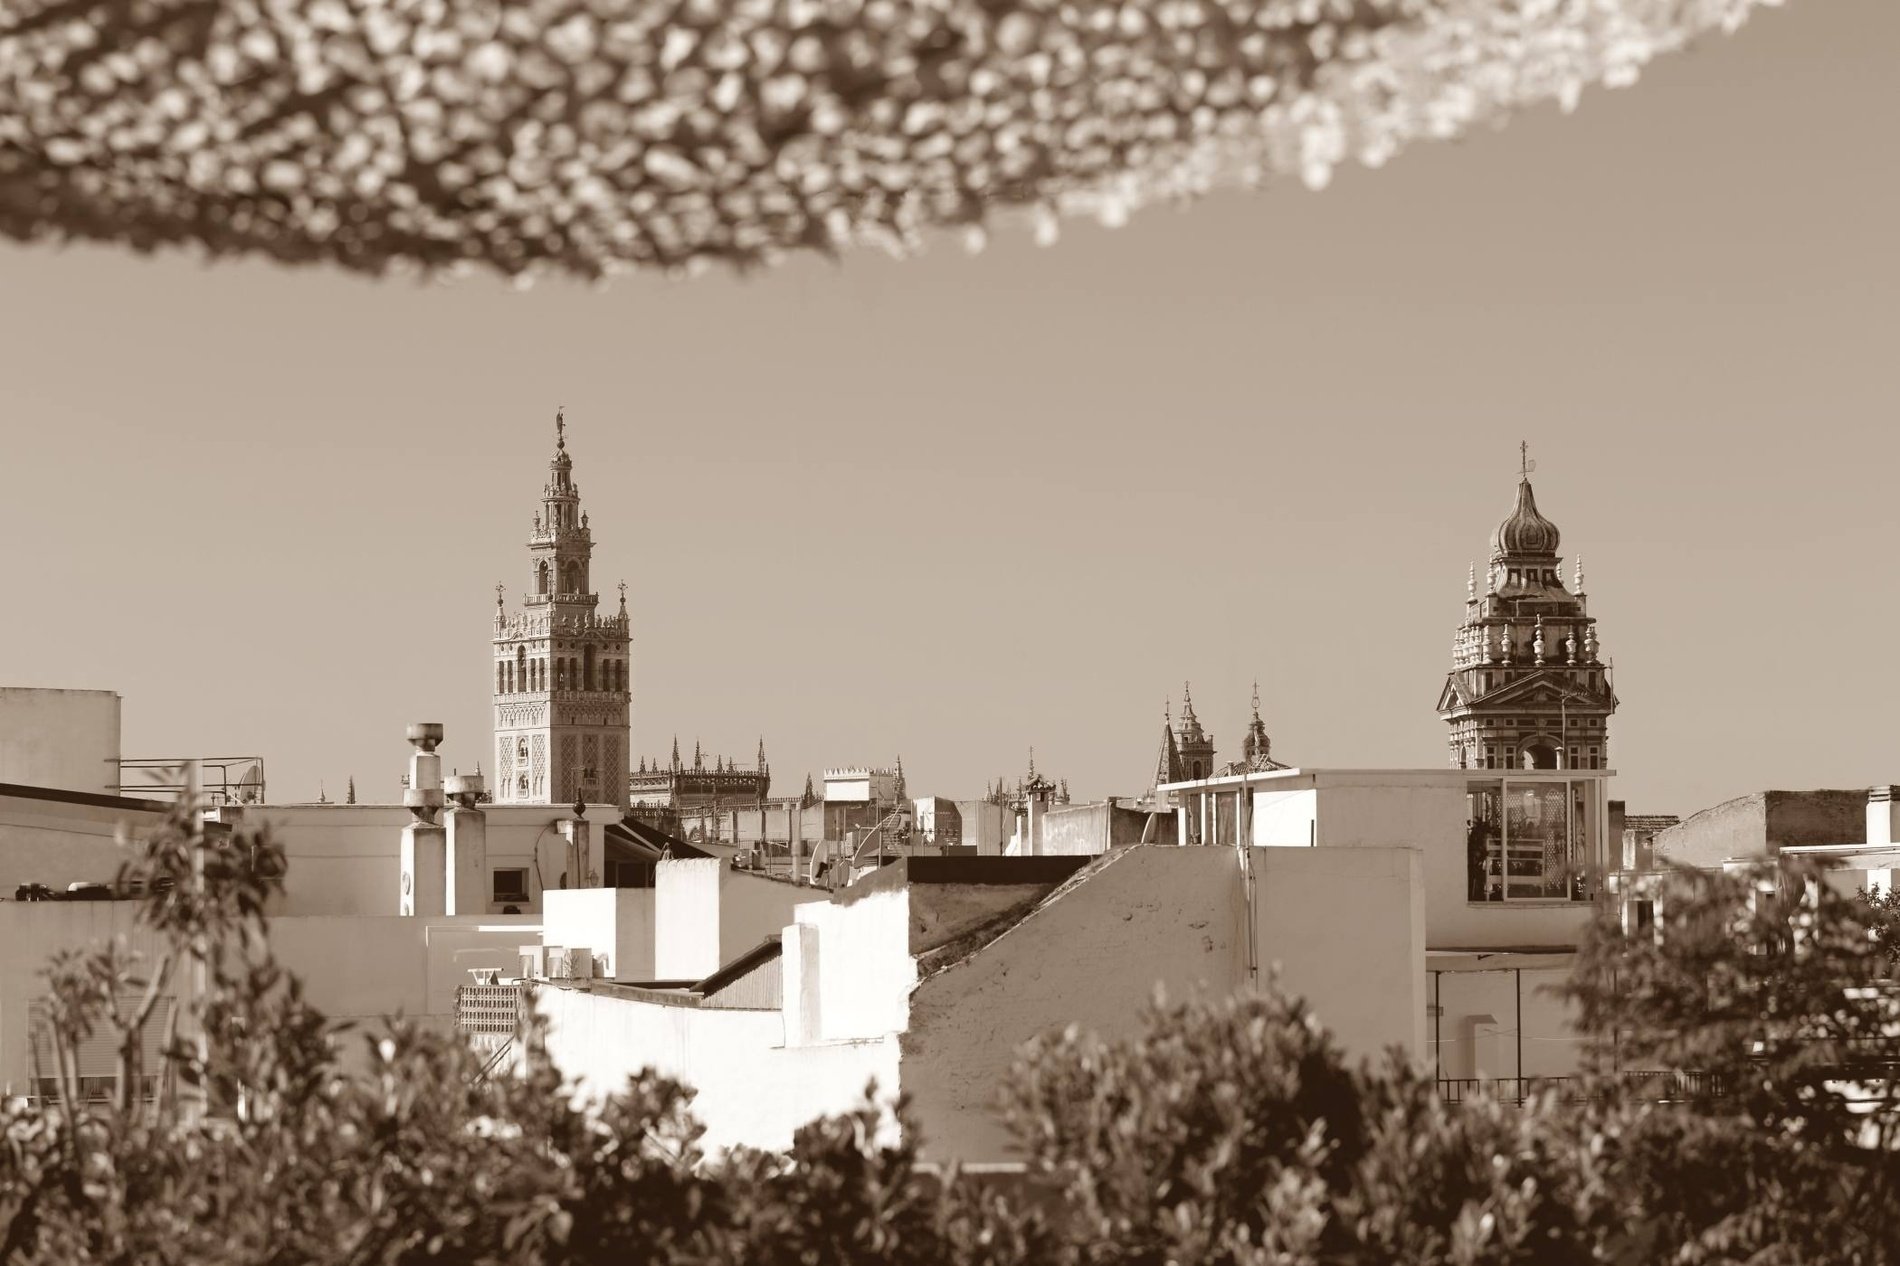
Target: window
(541,577)
(511,885)
(1531,841)
(96,1060)
(587,674)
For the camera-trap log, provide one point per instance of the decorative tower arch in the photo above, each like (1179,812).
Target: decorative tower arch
(562,702)
(1528,686)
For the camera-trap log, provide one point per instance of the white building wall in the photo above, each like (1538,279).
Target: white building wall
(615,924)
(1411,809)
(865,967)
(686,922)
(1285,819)
(1346,928)
(353,968)
(750,1089)
(347,858)
(56,843)
(64,739)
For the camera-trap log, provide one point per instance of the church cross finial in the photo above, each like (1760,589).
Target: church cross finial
(1524,463)
(1256,698)
(498,591)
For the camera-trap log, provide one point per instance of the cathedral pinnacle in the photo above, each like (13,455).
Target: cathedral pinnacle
(560,428)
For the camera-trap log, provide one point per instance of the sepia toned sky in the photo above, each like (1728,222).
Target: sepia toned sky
(957,506)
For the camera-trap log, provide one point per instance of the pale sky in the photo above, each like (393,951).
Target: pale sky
(955,506)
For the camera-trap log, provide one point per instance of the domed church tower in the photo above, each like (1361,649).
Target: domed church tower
(1528,688)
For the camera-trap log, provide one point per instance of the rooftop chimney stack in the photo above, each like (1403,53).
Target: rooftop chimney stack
(424,861)
(465,858)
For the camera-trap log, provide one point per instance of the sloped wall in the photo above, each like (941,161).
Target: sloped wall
(1091,956)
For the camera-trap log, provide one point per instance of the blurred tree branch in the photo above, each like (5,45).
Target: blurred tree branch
(591,137)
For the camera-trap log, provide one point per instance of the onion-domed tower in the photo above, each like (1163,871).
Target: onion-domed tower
(1528,688)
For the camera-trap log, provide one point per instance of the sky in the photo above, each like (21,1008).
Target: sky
(957,506)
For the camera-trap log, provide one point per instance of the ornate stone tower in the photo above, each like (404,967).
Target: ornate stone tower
(1528,688)
(1195,744)
(561,668)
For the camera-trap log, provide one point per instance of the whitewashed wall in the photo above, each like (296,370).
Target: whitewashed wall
(65,739)
(750,1089)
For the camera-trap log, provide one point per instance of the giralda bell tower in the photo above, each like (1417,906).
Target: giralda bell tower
(561,668)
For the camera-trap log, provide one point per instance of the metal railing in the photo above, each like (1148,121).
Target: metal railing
(1660,1086)
(220,779)
(490,1009)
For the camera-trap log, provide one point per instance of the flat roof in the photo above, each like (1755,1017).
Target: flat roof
(23,792)
(1432,775)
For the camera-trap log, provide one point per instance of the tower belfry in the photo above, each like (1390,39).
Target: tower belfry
(1195,744)
(1528,688)
(562,697)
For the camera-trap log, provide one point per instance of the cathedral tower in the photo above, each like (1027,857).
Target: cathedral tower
(561,668)
(1195,744)
(1528,688)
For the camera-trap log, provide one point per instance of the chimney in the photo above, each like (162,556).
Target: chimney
(579,869)
(465,860)
(424,863)
(1883,815)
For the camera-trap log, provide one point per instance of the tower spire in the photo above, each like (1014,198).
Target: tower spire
(575,742)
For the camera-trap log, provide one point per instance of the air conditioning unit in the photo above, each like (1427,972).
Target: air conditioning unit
(558,963)
(534,963)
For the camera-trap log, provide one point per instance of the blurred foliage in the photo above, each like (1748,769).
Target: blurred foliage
(1883,911)
(1223,1131)
(590,136)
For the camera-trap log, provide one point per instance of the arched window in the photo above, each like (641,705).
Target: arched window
(521,666)
(560,674)
(498,671)
(587,673)
(541,577)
